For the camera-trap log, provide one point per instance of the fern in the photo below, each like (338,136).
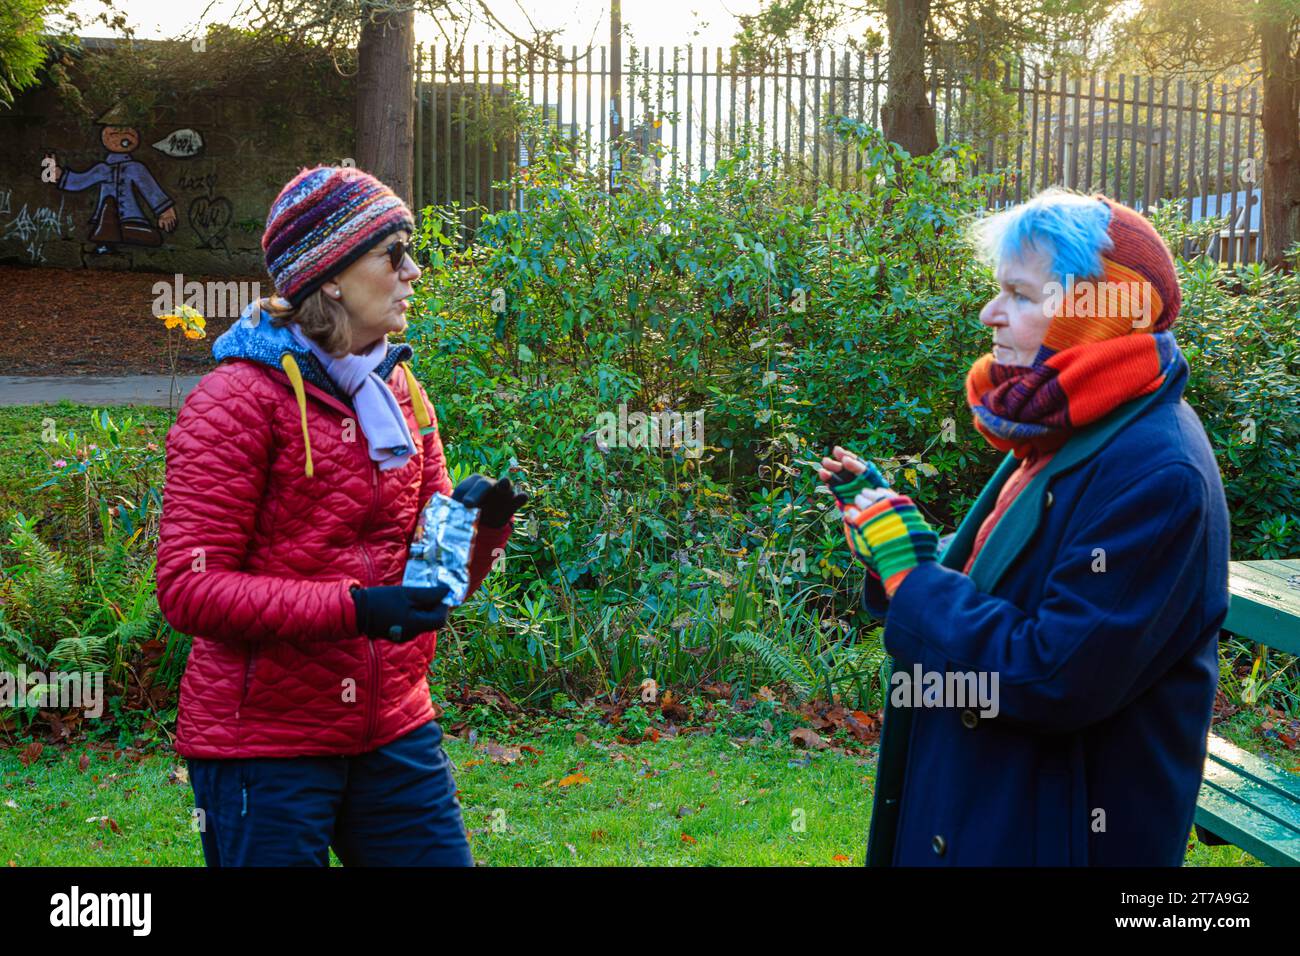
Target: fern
(82,653)
(40,588)
(846,662)
(828,672)
(794,671)
(30,653)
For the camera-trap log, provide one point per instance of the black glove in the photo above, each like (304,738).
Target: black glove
(399,613)
(497,501)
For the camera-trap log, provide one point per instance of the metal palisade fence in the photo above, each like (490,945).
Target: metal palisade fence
(1141,140)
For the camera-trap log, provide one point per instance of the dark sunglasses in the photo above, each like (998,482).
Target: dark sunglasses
(398,251)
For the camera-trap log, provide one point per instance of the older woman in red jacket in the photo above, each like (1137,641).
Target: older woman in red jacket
(296,474)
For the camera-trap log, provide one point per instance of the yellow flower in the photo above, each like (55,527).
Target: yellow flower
(187,319)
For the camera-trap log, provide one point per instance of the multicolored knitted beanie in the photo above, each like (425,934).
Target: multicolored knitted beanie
(322,222)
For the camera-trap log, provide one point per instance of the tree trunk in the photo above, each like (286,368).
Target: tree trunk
(385,120)
(1280,217)
(907,116)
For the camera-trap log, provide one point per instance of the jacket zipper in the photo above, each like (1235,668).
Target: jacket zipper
(250,661)
(250,664)
(372,704)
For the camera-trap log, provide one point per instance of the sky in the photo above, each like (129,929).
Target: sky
(653,22)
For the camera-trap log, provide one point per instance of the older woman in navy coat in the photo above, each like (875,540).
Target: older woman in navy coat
(1065,639)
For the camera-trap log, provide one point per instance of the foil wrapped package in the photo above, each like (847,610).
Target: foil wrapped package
(440,550)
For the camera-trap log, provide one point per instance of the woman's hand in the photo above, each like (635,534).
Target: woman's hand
(497,501)
(398,613)
(856,484)
(884,529)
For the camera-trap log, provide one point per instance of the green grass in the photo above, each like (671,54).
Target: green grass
(23,462)
(759,804)
(741,805)
(695,800)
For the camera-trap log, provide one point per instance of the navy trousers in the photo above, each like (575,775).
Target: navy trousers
(395,806)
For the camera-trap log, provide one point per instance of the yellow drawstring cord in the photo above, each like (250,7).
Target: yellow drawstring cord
(422,416)
(295,378)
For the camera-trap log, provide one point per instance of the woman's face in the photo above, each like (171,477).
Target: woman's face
(374,293)
(1020,313)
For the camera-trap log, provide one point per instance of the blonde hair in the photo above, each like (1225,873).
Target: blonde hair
(322,319)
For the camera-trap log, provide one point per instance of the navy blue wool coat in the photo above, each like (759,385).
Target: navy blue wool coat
(1106,678)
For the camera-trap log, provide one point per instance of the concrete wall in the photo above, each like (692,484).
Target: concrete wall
(213,153)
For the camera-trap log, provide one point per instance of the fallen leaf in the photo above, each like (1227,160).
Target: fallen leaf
(58,728)
(498,753)
(580,739)
(841,858)
(29,753)
(574,779)
(804,737)
(687,838)
(83,762)
(672,708)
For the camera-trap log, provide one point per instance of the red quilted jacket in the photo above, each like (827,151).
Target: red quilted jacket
(272,509)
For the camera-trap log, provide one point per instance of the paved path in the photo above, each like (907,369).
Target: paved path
(92,390)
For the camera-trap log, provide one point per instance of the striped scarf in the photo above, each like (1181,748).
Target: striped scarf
(1101,351)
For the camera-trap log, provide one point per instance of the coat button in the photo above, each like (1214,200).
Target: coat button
(1049,499)
(939,845)
(969,719)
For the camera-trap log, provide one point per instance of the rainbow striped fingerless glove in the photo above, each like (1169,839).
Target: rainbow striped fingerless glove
(892,537)
(846,487)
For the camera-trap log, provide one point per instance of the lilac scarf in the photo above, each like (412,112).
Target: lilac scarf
(378,413)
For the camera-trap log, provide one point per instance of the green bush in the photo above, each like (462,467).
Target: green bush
(790,324)
(793,324)
(1241,333)
(77,577)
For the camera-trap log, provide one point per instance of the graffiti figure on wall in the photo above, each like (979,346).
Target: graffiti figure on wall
(126,190)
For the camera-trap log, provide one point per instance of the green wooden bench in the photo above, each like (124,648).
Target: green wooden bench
(1244,799)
